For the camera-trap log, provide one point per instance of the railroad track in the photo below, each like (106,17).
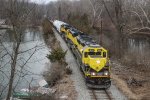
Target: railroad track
(100,94)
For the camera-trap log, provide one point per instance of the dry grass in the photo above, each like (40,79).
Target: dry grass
(121,85)
(136,59)
(132,80)
(44,97)
(54,73)
(58,72)
(66,88)
(47,27)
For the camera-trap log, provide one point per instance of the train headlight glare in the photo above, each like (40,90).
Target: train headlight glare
(93,73)
(106,73)
(97,61)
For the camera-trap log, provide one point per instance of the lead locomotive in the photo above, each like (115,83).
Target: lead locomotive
(91,57)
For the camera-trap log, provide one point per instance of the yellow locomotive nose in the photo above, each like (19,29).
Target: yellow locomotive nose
(97,63)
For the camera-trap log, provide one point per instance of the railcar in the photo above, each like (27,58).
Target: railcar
(91,57)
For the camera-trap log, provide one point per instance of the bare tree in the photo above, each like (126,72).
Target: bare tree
(137,17)
(97,8)
(18,13)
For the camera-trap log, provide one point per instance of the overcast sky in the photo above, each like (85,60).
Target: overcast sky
(42,1)
(46,1)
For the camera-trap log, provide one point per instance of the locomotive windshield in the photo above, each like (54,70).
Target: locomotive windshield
(93,54)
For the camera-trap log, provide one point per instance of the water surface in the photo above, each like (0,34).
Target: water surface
(30,74)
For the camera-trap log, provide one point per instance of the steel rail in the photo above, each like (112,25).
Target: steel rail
(94,95)
(108,94)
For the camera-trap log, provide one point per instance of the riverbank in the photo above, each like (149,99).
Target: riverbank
(132,80)
(5,27)
(76,76)
(64,85)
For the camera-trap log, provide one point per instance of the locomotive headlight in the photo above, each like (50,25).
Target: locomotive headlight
(93,73)
(81,50)
(97,61)
(106,73)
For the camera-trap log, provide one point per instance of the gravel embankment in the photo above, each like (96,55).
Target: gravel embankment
(82,90)
(76,76)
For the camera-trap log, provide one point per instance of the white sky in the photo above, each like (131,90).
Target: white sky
(46,1)
(42,1)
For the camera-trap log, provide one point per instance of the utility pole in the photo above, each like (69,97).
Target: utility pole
(101,33)
(59,11)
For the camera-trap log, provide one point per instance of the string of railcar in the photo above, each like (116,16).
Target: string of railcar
(92,58)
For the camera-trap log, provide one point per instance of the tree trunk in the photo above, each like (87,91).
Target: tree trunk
(119,25)
(13,68)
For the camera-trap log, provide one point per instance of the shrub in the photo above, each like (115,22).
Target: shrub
(56,55)
(68,71)
(47,27)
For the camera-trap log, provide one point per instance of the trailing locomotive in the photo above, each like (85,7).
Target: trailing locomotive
(91,57)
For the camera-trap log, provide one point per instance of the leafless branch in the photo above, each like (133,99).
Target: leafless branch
(8,62)
(6,50)
(139,18)
(137,30)
(37,46)
(148,21)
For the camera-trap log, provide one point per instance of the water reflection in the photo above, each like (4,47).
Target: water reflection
(33,43)
(138,49)
(27,35)
(139,44)
(31,35)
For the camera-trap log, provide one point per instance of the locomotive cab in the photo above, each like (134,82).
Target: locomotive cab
(96,65)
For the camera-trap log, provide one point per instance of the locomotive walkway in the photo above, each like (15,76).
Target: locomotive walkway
(83,92)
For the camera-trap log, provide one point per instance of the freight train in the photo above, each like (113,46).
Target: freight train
(91,57)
